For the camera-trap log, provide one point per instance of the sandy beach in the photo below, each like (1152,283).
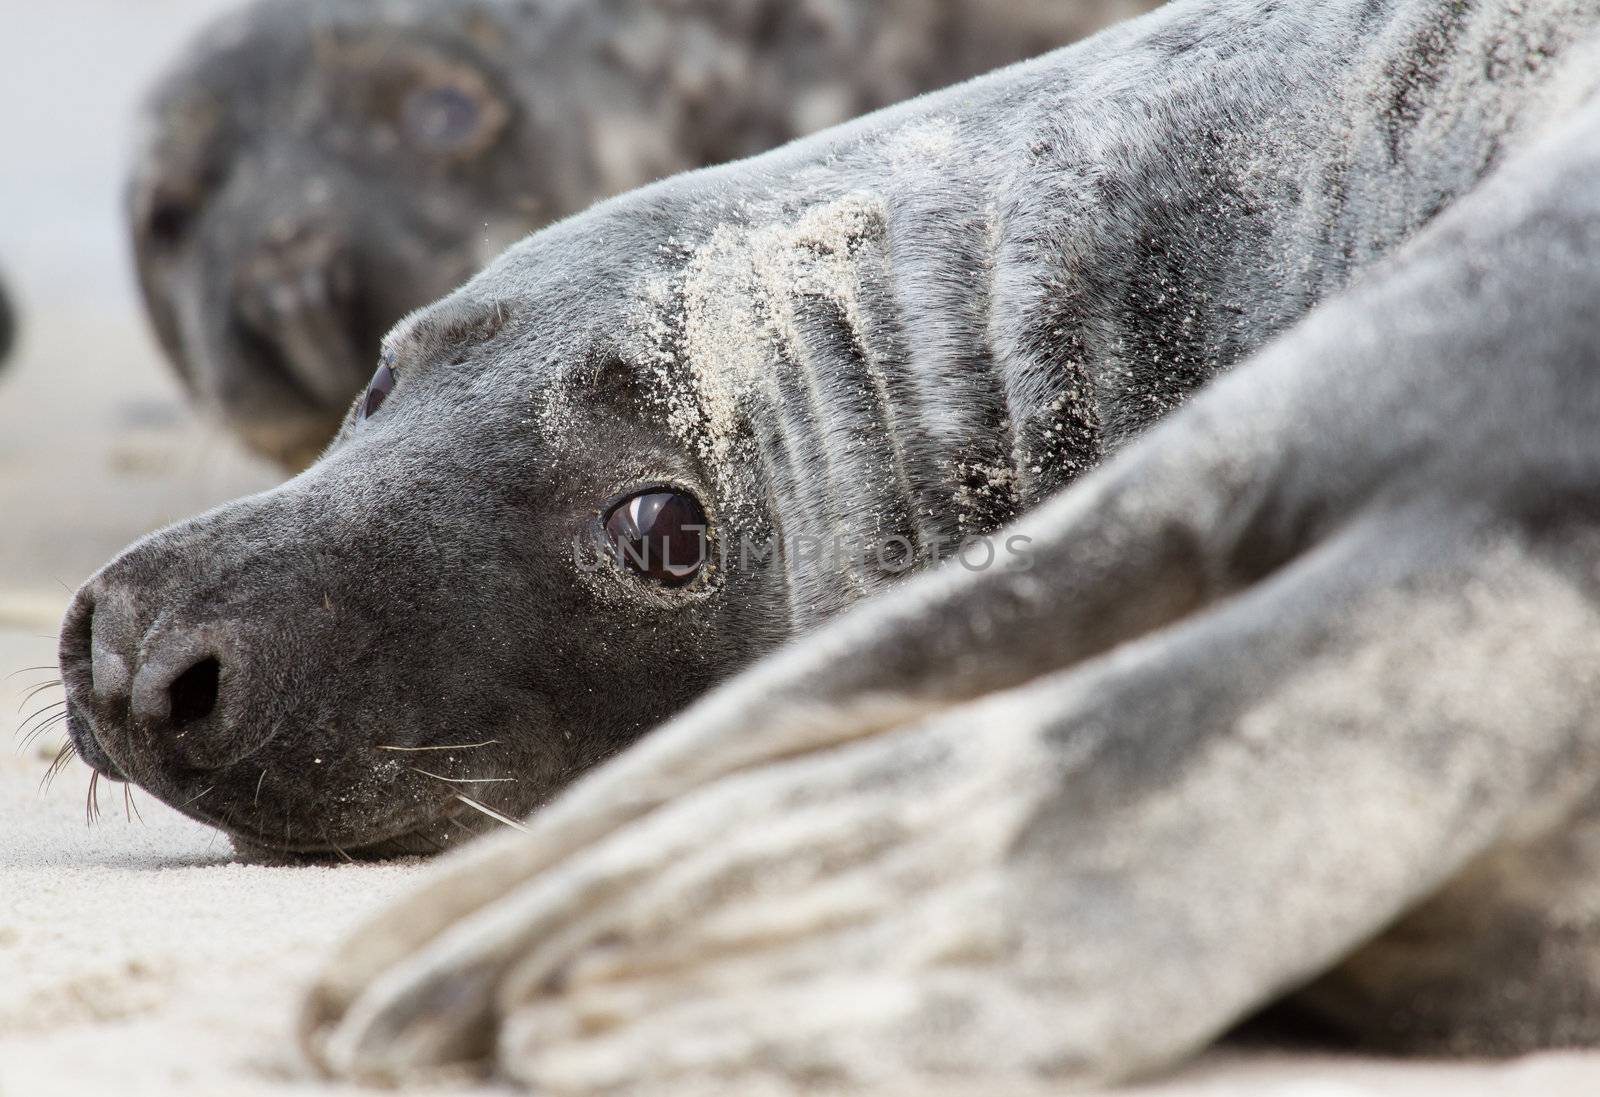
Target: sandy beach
(137,958)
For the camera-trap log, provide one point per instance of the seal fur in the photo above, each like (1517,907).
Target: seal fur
(311,172)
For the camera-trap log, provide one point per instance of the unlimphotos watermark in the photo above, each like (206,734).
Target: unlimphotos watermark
(891,556)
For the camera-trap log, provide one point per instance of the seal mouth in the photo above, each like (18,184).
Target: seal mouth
(278,831)
(295,424)
(169,721)
(87,744)
(313,381)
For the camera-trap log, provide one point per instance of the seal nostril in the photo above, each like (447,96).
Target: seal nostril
(193,694)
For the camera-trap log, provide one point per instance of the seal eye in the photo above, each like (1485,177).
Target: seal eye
(378,390)
(168,222)
(442,119)
(659,534)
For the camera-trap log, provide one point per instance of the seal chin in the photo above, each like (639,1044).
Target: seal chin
(417,840)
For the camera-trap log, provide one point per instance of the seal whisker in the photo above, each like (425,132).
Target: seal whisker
(129,808)
(91,800)
(464,780)
(39,732)
(28,739)
(497,816)
(34,691)
(335,847)
(63,756)
(26,670)
(30,734)
(256,800)
(453,746)
(196,796)
(32,716)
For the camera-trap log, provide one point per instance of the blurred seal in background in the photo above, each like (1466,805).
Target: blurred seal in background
(8,325)
(310,172)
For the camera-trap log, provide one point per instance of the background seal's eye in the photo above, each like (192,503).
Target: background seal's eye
(168,222)
(660,534)
(443,119)
(167,212)
(378,390)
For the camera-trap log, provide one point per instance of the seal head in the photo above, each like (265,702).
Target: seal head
(309,175)
(504,570)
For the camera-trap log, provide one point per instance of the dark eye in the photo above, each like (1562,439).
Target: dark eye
(168,222)
(378,390)
(660,534)
(442,119)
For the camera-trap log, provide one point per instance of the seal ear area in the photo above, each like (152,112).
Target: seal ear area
(444,334)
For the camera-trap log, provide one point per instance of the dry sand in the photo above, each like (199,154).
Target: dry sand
(137,960)
(135,956)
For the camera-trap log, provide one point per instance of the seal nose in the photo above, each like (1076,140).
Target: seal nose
(147,698)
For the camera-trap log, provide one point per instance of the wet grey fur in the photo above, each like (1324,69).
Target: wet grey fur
(293,194)
(1294,695)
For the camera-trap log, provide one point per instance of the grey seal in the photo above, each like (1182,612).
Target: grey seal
(8,325)
(1283,683)
(310,172)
